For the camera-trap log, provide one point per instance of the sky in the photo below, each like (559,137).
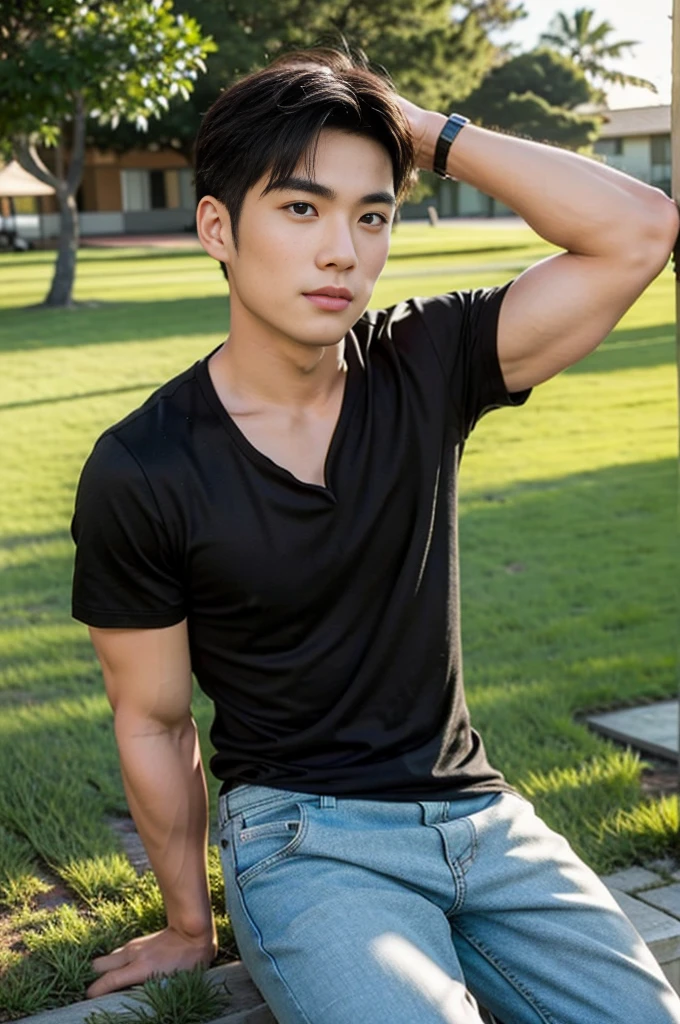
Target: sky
(644,20)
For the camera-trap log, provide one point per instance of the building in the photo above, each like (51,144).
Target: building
(638,141)
(139,192)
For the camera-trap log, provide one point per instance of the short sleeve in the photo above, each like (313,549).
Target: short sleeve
(463,327)
(124,573)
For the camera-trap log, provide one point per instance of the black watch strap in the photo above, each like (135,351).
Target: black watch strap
(448,133)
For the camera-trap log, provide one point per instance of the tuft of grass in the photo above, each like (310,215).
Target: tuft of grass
(108,876)
(184,997)
(19,883)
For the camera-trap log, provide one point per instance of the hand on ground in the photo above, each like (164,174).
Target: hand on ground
(161,953)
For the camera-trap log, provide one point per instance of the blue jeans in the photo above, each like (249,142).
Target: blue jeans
(353,911)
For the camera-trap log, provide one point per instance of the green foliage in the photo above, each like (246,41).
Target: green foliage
(534,94)
(123,60)
(434,58)
(18,882)
(185,997)
(591,47)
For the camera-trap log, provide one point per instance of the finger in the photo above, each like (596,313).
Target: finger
(132,974)
(111,961)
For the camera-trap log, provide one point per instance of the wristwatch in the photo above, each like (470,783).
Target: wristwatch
(448,133)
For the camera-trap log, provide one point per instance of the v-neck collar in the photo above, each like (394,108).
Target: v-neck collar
(355,369)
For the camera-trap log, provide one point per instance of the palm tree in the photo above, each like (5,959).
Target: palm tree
(591,47)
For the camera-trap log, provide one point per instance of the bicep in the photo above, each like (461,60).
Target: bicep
(147,672)
(558,310)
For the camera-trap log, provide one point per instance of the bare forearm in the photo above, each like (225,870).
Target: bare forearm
(166,791)
(570,200)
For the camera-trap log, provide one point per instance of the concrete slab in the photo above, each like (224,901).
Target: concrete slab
(660,931)
(633,879)
(652,728)
(667,898)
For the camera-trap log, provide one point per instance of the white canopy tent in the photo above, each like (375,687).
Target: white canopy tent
(15,182)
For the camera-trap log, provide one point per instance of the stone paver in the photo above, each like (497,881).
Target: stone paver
(652,727)
(667,898)
(632,879)
(659,930)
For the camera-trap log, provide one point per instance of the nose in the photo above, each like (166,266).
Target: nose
(337,248)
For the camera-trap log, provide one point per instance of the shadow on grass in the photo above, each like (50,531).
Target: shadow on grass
(10,541)
(143,385)
(113,323)
(629,348)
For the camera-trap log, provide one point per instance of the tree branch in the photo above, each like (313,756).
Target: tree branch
(27,157)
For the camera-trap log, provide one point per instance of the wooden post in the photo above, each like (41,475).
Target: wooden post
(675,160)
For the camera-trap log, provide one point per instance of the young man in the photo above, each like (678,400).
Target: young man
(280,519)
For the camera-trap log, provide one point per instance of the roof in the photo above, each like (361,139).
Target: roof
(636,121)
(15,181)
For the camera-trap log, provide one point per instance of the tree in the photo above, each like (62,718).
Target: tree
(433,57)
(591,47)
(534,94)
(64,62)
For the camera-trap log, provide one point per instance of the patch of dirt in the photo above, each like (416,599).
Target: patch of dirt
(57,894)
(661,779)
(10,938)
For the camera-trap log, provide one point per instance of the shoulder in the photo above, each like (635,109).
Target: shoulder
(450,318)
(422,314)
(149,434)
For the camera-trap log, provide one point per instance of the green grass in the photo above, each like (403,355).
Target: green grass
(568,570)
(186,997)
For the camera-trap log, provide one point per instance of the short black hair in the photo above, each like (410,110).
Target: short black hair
(270,118)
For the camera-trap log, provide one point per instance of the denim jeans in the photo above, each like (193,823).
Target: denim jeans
(354,911)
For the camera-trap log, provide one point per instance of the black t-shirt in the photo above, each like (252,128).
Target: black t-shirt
(323,620)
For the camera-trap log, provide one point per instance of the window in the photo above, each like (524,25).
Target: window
(136,190)
(157,188)
(186,189)
(661,149)
(609,147)
(25,204)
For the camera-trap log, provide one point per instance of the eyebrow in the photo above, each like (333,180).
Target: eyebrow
(293,184)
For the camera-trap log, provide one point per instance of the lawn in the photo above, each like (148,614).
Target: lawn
(568,578)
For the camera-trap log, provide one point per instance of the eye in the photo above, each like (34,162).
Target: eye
(382,219)
(291,205)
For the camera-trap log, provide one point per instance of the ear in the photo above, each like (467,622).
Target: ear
(214,229)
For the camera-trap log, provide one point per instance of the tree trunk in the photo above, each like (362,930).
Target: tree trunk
(61,289)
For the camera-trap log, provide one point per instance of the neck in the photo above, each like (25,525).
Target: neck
(255,365)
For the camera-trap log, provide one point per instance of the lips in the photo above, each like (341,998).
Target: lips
(336,293)
(330,298)
(329,302)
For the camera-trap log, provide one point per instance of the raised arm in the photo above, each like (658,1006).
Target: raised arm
(617,233)
(147,674)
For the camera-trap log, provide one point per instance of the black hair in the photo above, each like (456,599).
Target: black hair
(270,119)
